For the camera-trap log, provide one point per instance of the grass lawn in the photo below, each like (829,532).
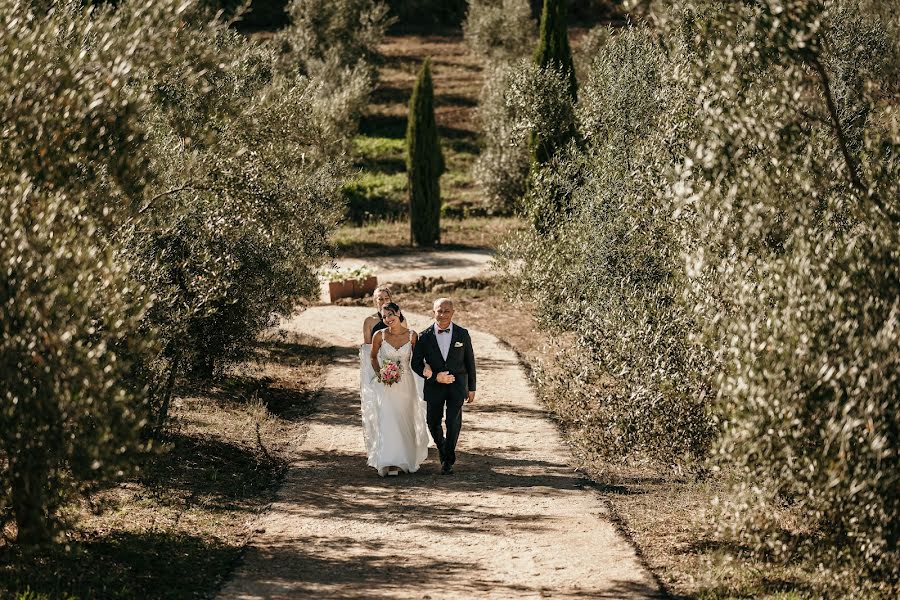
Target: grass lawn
(378,191)
(177,529)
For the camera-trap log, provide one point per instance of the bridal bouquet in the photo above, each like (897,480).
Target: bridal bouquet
(389,373)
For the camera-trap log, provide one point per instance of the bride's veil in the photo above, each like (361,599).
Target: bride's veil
(368,399)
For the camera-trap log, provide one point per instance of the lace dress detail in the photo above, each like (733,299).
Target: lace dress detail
(393,416)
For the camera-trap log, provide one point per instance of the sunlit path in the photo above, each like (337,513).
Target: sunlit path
(514,521)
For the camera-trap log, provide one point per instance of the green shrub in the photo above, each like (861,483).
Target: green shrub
(424,163)
(553,52)
(517,99)
(514,94)
(166,189)
(589,47)
(553,42)
(499,31)
(795,184)
(326,36)
(244,196)
(334,43)
(719,254)
(604,264)
(70,415)
(70,170)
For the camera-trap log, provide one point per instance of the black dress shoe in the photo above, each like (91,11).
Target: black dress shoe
(446,469)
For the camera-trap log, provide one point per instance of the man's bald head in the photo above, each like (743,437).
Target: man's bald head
(440,301)
(443,312)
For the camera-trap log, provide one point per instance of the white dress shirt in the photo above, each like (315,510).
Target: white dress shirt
(443,340)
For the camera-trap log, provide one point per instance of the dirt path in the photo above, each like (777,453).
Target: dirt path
(514,521)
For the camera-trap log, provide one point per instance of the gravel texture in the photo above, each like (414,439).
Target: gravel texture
(514,521)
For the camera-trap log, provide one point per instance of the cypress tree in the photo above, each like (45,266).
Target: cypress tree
(424,163)
(553,45)
(553,51)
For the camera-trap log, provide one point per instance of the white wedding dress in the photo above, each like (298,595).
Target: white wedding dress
(393,416)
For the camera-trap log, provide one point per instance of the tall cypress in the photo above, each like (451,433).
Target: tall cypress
(424,163)
(553,46)
(553,51)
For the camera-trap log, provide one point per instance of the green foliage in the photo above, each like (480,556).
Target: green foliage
(499,31)
(553,53)
(71,412)
(794,181)
(424,163)
(720,254)
(331,35)
(334,43)
(604,264)
(165,188)
(69,417)
(553,42)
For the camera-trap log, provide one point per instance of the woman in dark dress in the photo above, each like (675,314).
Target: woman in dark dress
(380,297)
(373,323)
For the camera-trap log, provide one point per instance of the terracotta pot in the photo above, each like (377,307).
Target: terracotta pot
(340,289)
(361,287)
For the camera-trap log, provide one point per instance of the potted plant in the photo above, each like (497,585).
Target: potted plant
(349,282)
(364,281)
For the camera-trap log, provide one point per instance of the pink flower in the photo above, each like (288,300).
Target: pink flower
(389,373)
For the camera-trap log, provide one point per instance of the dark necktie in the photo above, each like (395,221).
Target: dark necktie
(443,330)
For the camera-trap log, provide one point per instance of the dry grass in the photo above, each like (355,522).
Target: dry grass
(177,529)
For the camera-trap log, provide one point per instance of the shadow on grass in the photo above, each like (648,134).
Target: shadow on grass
(361,249)
(289,403)
(119,565)
(455,100)
(204,469)
(462,145)
(388,165)
(390,94)
(389,126)
(394,126)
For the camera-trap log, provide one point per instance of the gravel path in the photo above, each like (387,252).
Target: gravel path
(513,522)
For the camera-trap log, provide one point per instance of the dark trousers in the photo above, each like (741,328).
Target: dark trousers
(438,401)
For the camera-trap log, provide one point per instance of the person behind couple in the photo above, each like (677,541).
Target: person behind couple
(400,438)
(373,323)
(449,381)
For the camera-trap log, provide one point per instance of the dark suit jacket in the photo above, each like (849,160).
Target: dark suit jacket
(460,359)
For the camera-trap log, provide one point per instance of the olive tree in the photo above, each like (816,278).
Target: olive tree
(794,183)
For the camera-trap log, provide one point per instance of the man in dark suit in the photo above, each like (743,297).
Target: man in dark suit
(447,348)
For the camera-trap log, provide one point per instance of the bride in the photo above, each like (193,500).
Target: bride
(393,414)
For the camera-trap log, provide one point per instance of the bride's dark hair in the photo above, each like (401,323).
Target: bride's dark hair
(394,308)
